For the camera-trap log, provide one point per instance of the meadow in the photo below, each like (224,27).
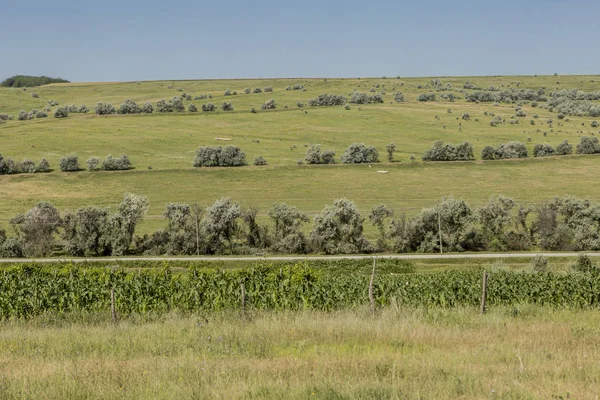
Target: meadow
(161,146)
(520,352)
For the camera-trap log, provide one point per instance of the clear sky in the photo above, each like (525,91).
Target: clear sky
(127,40)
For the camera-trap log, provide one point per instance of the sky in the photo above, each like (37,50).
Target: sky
(132,40)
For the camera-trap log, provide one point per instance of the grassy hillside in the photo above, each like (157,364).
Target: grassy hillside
(161,146)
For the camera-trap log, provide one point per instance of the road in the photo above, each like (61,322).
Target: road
(298,258)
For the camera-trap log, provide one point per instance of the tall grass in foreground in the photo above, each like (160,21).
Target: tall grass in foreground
(403,352)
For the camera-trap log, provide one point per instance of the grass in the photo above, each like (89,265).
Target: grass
(166,143)
(529,352)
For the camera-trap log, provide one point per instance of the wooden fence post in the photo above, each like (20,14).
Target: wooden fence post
(113,311)
(371,298)
(243,297)
(483,293)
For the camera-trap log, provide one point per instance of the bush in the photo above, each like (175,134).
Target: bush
(260,161)
(269,105)
(521,113)
(314,155)
(52,103)
(226,106)
(219,156)
(426,97)
(247,91)
(82,109)
(257,90)
(116,164)
(147,108)
(35,95)
(363,98)
(564,148)
(543,150)
(466,117)
(584,264)
(327,100)
(227,92)
(69,163)
(539,264)
(192,108)
(41,114)
(358,153)
(512,149)
(28,167)
(4,117)
(447,152)
(104,109)
(497,120)
(208,107)
(588,145)
(129,107)
(594,124)
(43,166)
(488,153)
(268,89)
(61,112)
(173,105)
(93,164)
(399,97)
(23,116)
(298,86)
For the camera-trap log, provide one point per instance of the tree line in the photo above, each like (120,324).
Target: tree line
(224,227)
(30,81)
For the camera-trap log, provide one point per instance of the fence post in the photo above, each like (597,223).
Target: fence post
(243,297)
(371,298)
(483,293)
(113,311)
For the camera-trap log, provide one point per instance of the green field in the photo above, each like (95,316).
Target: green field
(523,352)
(166,143)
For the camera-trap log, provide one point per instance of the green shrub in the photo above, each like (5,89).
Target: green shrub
(219,156)
(69,163)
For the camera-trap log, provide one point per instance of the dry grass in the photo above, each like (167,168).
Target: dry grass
(441,354)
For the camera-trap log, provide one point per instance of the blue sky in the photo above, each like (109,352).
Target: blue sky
(133,40)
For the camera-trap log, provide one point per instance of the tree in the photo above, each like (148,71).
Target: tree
(129,213)
(494,218)
(314,155)
(391,148)
(358,153)
(87,232)
(377,217)
(220,224)
(69,163)
(35,229)
(288,236)
(257,236)
(104,109)
(129,107)
(339,229)
(269,105)
(588,145)
(218,156)
(564,148)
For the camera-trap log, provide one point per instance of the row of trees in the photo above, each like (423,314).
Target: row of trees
(515,149)
(452,225)
(8,166)
(71,163)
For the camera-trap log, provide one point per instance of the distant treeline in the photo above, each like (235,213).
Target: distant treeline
(30,81)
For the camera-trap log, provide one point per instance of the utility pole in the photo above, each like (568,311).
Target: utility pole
(440,230)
